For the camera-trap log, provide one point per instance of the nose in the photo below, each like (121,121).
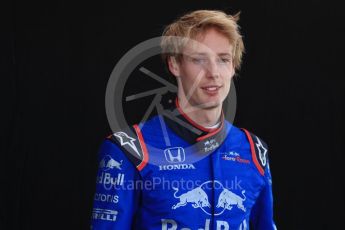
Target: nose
(212,69)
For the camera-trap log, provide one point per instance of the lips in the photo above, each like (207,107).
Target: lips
(211,88)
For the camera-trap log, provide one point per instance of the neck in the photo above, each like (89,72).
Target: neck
(203,117)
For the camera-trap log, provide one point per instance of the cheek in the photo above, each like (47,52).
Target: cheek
(186,83)
(227,84)
(190,78)
(227,76)
(227,87)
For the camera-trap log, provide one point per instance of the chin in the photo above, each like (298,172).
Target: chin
(210,104)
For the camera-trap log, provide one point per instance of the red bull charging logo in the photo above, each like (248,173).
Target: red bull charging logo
(198,198)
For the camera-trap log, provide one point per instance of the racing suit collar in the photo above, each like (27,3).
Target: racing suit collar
(196,125)
(189,130)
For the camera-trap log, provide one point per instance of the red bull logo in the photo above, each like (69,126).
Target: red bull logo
(198,198)
(228,199)
(108,163)
(170,224)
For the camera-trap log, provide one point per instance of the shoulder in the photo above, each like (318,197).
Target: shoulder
(131,143)
(258,149)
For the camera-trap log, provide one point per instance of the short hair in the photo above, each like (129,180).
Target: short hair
(197,22)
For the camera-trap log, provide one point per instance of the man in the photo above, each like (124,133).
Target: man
(188,168)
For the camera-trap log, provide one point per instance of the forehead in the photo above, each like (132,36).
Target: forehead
(209,42)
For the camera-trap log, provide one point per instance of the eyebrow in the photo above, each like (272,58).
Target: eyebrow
(219,54)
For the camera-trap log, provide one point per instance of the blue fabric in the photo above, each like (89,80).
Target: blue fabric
(180,188)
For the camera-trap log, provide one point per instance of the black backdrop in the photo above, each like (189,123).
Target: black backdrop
(57,58)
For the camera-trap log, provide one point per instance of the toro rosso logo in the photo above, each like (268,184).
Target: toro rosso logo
(198,198)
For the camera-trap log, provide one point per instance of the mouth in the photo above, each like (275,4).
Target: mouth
(211,89)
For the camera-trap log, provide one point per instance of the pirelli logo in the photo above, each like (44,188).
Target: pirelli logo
(104,214)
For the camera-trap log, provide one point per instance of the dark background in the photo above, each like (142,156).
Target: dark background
(55,63)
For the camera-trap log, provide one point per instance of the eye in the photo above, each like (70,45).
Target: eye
(224,60)
(199,60)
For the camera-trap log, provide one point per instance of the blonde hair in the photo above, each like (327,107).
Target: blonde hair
(194,23)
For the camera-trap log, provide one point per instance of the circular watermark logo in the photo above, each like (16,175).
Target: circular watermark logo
(134,59)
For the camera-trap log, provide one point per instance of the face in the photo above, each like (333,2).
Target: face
(205,70)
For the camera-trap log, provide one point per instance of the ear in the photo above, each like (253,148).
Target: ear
(174,67)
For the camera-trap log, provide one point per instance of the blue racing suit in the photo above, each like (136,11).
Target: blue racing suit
(170,173)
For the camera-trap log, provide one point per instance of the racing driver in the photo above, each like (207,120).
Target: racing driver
(188,167)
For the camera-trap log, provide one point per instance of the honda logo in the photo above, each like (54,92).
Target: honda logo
(175,155)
